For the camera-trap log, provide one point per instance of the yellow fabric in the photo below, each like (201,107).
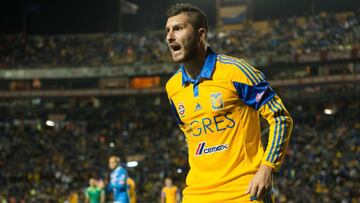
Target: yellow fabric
(74,198)
(170,194)
(221,169)
(131,190)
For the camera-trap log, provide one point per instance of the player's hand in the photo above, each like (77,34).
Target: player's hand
(261,183)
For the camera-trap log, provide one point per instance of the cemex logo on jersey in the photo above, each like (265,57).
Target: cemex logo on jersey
(202,150)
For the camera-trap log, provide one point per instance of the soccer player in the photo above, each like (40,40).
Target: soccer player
(94,194)
(131,190)
(169,193)
(118,181)
(217,100)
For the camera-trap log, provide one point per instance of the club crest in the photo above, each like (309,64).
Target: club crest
(216,101)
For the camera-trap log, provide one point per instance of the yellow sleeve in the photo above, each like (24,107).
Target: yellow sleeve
(281,125)
(254,91)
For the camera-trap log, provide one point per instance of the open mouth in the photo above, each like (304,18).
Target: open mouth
(175,47)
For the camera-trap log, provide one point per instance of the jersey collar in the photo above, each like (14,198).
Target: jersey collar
(206,70)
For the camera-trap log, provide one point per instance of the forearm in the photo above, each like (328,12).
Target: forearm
(102,199)
(279,135)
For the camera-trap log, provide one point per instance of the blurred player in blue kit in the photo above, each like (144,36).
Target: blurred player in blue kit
(118,181)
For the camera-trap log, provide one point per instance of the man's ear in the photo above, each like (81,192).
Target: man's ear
(202,34)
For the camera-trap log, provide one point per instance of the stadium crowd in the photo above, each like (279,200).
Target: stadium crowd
(47,164)
(40,163)
(320,32)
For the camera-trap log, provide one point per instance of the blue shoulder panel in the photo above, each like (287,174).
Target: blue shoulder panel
(254,96)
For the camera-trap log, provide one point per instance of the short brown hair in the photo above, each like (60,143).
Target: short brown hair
(197,18)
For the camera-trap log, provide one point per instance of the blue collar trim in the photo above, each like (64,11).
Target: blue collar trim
(206,71)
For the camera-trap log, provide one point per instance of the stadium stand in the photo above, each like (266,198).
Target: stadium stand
(297,35)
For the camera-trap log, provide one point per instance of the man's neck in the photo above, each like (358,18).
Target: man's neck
(193,67)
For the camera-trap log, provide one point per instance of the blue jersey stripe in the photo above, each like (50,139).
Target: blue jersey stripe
(275,130)
(233,63)
(242,65)
(259,77)
(281,132)
(196,90)
(245,70)
(278,130)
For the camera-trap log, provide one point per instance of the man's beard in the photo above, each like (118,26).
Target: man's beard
(192,52)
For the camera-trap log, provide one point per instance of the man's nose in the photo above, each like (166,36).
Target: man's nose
(170,37)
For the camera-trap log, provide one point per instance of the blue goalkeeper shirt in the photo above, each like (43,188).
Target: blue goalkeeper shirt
(118,185)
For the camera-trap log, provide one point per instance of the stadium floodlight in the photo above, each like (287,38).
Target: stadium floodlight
(328,111)
(131,164)
(50,123)
(179,170)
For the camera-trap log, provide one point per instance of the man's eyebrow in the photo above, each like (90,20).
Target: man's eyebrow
(177,24)
(174,25)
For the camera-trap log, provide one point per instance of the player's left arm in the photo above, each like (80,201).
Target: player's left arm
(102,196)
(256,92)
(281,124)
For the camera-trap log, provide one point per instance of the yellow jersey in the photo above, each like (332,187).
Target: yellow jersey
(219,115)
(170,194)
(74,197)
(131,190)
